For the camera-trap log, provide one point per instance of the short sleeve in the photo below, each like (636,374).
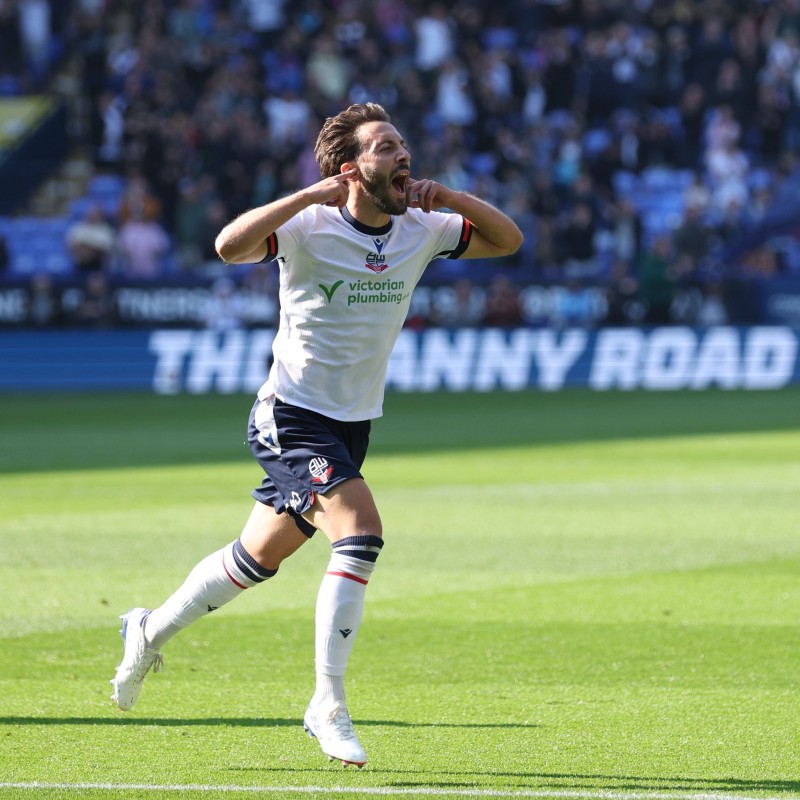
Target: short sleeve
(455,235)
(285,240)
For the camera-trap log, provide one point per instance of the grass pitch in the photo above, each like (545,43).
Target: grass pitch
(581,595)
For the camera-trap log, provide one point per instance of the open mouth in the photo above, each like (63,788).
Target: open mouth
(399,182)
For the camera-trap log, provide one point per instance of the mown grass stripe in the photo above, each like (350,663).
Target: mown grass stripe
(383,791)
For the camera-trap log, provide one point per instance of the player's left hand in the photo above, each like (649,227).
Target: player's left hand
(426,194)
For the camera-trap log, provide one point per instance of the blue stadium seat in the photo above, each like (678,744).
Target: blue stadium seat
(23,264)
(105,185)
(666,179)
(58,263)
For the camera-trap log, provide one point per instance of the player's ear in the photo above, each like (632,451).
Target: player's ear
(348,166)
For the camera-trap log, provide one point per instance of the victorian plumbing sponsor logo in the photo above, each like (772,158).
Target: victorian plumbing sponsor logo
(371,291)
(368,291)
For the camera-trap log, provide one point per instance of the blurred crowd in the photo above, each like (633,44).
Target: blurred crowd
(209,107)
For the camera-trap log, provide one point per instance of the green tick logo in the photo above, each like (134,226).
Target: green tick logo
(330,292)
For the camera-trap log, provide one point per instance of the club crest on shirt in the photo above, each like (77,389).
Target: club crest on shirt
(319,469)
(376,261)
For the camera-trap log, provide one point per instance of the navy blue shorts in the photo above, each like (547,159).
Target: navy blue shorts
(303,454)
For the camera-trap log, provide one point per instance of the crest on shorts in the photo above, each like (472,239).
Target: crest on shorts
(320,470)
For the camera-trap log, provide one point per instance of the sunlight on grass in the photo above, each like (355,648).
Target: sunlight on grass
(551,612)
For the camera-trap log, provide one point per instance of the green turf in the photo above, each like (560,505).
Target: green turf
(580,593)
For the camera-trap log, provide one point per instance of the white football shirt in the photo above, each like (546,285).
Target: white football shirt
(345,289)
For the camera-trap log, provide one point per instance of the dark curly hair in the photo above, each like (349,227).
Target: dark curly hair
(338,142)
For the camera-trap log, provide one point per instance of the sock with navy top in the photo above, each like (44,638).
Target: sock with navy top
(216,580)
(340,605)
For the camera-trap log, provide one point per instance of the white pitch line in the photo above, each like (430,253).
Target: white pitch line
(383,791)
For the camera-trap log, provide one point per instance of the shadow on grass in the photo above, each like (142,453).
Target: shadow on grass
(553,782)
(242,722)
(564,782)
(598,784)
(604,783)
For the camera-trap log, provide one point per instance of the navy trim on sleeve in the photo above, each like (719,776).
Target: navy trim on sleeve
(463,242)
(272,248)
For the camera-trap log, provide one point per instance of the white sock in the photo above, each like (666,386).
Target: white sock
(216,580)
(340,604)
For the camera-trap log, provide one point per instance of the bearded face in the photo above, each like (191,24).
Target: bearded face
(387,192)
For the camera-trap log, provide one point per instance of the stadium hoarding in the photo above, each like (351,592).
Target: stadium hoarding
(184,301)
(168,361)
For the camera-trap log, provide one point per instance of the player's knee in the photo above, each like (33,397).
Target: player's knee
(372,527)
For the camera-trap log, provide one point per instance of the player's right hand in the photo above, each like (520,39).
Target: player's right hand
(332,191)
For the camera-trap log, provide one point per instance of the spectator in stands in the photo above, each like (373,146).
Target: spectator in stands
(454,102)
(266,18)
(435,41)
(506,93)
(771,117)
(692,240)
(191,226)
(544,197)
(728,168)
(569,156)
(657,279)
(624,306)
(731,222)
(760,203)
(107,129)
(288,115)
(143,244)
(503,308)
(138,201)
(730,90)
(35,25)
(692,110)
(577,243)
(546,256)
(697,195)
(328,72)
(92,241)
(626,232)
(760,262)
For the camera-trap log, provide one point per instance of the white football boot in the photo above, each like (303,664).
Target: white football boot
(334,732)
(137,659)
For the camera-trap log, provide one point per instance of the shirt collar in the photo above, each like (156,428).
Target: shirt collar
(362,228)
